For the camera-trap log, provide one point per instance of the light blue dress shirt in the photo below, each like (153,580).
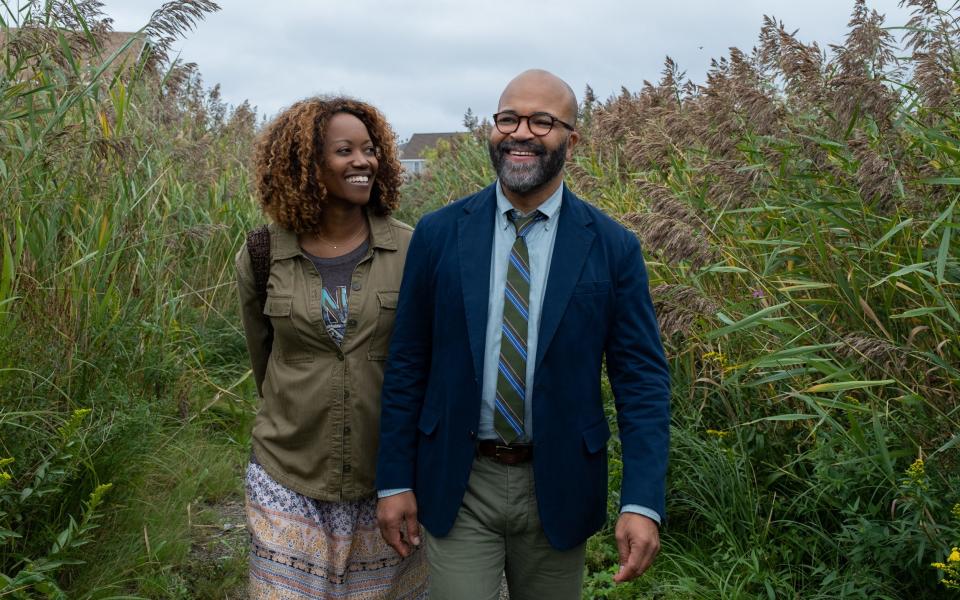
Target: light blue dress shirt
(540,240)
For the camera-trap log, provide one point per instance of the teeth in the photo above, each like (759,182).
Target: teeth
(517,153)
(358,179)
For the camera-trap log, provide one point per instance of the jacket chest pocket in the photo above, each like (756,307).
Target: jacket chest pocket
(287,342)
(386,313)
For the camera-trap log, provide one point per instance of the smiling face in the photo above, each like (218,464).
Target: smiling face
(349,160)
(528,164)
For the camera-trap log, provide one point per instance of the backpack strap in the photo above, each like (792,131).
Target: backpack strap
(258,246)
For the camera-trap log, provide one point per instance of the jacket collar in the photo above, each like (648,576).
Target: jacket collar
(284,243)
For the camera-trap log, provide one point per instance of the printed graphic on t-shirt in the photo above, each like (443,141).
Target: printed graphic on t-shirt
(334,306)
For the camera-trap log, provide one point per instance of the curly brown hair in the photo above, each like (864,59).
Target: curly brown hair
(288,158)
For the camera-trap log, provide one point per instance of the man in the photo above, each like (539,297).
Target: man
(492,430)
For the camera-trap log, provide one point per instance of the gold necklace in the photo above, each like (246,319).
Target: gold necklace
(353,237)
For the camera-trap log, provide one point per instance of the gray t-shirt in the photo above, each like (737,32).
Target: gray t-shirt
(335,273)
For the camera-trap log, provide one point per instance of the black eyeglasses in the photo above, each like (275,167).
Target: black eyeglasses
(539,123)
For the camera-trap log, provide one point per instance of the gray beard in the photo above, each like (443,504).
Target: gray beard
(522,179)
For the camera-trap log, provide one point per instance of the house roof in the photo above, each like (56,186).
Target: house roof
(421,142)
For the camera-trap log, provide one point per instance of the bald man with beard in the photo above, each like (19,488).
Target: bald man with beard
(492,432)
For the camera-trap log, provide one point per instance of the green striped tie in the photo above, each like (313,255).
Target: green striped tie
(512,367)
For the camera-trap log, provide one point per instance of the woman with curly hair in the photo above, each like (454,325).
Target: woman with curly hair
(318,292)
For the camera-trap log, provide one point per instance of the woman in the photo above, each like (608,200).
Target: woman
(317,328)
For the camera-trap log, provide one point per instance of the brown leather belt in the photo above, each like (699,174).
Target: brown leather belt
(513,454)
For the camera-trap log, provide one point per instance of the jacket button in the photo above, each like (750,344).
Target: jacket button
(340,354)
(351,322)
(356,286)
(346,429)
(346,468)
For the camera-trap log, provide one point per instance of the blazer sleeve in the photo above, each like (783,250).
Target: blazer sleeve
(640,379)
(255,325)
(407,368)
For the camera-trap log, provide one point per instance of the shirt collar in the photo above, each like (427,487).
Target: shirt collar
(549,208)
(285,243)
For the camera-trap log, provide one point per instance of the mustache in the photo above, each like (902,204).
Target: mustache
(507,145)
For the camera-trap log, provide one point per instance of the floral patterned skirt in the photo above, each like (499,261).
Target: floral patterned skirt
(305,548)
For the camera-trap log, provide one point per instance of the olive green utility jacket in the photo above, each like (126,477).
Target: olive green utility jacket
(317,425)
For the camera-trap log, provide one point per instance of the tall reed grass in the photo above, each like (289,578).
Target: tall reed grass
(123,195)
(798,215)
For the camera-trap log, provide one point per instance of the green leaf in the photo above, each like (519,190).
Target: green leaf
(747,322)
(943,253)
(892,232)
(917,312)
(941,181)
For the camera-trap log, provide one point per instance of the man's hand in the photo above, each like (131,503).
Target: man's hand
(397,518)
(638,541)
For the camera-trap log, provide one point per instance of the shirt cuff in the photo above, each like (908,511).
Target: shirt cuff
(630,508)
(395,491)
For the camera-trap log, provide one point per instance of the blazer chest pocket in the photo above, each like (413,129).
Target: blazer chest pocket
(386,314)
(287,342)
(591,287)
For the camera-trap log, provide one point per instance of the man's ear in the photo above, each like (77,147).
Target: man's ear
(572,142)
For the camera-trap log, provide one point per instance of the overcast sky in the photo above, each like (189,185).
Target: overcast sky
(425,62)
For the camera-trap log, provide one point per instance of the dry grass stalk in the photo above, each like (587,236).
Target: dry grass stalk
(678,308)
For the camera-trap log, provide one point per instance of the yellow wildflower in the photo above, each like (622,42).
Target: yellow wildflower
(718,433)
(954,556)
(956,511)
(917,471)
(6,461)
(717,357)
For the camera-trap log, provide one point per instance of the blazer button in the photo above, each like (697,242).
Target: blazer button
(346,468)
(473,434)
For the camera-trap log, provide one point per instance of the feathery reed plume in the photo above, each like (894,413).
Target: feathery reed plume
(172,20)
(661,200)
(876,356)
(800,64)
(42,24)
(582,181)
(857,87)
(678,308)
(671,238)
(933,37)
(643,121)
(730,182)
(877,177)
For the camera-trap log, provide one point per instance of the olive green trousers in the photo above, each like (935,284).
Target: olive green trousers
(498,531)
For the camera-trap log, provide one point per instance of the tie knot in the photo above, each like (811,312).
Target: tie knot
(524,223)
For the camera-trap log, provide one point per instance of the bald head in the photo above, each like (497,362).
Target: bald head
(544,87)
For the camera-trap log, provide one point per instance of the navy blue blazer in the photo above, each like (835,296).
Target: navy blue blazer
(597,303)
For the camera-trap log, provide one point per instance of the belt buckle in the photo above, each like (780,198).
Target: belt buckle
(501,450)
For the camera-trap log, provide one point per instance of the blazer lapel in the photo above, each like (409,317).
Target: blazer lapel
(474,246)
(570,250)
